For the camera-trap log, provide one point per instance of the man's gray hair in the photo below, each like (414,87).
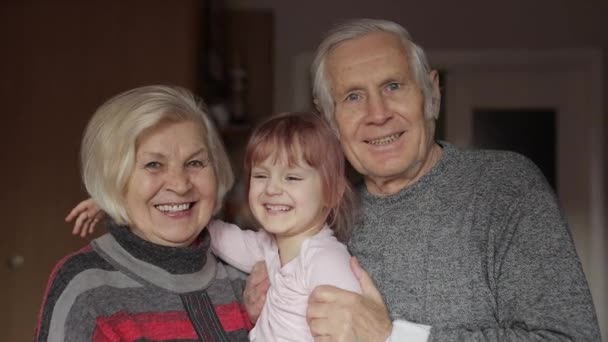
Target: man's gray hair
(357,28)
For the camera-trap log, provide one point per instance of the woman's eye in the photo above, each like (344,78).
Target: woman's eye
(198,163)
(153,165)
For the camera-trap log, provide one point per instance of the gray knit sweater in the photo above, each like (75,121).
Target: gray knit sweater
(479,250)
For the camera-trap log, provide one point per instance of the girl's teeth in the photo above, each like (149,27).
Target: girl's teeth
(277,207)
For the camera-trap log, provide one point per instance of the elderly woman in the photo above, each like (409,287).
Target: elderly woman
(154,163)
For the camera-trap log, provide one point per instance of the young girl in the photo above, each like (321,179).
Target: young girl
(299,194)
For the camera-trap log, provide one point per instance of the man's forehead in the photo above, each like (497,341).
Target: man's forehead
(364,59)
(367,46)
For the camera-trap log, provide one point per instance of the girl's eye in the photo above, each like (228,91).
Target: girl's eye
(293,178)
(258,176)
(153,165)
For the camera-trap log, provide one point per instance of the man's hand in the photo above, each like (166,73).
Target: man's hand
(256,288)
(339,315)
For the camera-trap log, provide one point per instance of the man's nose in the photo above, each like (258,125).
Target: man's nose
(377,109)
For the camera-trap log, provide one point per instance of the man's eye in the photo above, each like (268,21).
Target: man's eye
(352,97)
(393,86)
(153,165)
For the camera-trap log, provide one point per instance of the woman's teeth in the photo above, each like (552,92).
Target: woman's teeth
(172,208)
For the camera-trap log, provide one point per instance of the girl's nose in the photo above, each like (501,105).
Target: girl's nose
(273,187)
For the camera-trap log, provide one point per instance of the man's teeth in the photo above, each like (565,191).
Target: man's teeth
(385,140)
(172,208)
(277,207)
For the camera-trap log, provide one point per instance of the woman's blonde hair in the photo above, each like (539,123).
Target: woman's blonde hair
(109,143)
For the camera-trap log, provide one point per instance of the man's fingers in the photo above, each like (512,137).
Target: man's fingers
(256,287)
(317,310)
(319,327)
(368,288)
(329,294)
(258,274)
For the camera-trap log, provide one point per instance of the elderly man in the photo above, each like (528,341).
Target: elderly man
(461,245)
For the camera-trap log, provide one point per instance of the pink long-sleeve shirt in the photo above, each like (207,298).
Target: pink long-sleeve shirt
(322,260)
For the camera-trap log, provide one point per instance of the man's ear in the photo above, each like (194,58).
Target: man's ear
(434,76)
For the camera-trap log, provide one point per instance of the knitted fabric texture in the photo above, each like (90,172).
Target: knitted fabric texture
(478,249)
(123,288)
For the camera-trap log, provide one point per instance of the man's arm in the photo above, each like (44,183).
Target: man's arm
(538,284)
(256,288)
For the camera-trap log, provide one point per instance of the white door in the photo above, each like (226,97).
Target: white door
(567,83)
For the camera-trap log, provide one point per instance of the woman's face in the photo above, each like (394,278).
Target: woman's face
(172,191)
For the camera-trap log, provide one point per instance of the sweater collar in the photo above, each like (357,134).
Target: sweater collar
(175,269)
(449,155)
(175,260)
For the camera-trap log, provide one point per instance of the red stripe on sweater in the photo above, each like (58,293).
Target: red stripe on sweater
(233,317)
(59,264)
(163,325)
(123,326)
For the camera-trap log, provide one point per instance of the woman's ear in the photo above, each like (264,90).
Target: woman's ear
(317,105)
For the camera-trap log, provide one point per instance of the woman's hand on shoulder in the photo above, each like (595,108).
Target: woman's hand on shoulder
(85,215)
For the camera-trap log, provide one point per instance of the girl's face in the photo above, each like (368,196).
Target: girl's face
(287,200)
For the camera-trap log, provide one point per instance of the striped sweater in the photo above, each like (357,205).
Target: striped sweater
(123,288)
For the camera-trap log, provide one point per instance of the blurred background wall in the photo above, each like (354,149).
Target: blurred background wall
(62,59)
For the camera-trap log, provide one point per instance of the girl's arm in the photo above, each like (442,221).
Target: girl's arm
(330,265)
(239,248)
(86,214)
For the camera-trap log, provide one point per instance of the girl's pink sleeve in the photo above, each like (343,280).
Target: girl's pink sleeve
(331,266)
(239,248)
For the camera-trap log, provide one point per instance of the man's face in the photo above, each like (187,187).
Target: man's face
(379,109)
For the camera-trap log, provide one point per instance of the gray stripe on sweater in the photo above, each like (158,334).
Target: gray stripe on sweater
(81,283)
(116,255)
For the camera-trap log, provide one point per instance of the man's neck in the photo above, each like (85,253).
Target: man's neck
(389,186)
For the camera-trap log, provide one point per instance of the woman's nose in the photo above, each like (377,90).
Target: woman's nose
(178,181)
